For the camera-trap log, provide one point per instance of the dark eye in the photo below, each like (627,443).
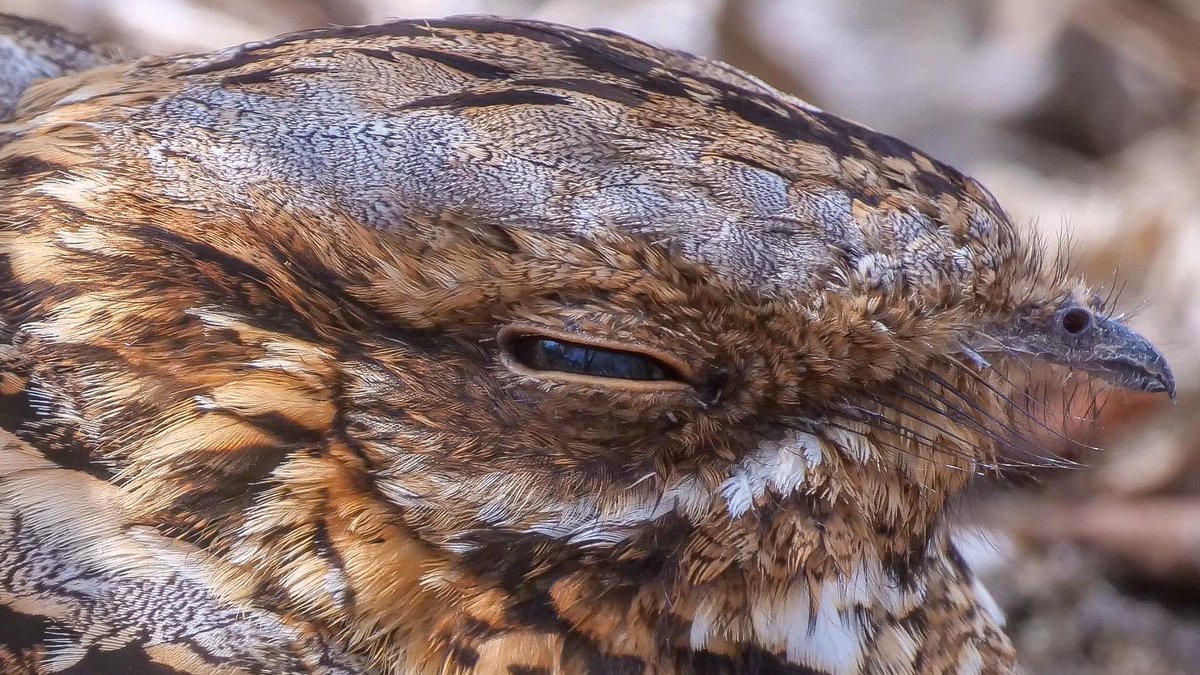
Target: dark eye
(538,352)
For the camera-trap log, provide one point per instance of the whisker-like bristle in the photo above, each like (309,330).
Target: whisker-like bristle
(1033,402)
(941,429)
(1007,437)
(878,419)
(949,388)
(1015,444)
(892,446)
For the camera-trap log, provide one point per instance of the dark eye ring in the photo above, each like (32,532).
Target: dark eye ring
(541,353)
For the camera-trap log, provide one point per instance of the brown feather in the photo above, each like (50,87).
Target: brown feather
(259,308)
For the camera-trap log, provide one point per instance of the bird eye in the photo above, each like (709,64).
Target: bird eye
(551,354)
(1075,320)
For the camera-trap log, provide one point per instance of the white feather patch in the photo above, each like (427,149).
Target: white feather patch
(780,466)
(820,636)
(830,639)
(820,626)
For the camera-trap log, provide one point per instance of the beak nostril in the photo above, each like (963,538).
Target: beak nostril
(1076,320)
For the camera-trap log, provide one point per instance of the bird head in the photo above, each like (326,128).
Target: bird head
(524,320)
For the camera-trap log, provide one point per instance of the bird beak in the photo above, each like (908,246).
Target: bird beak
(1124,358)
(1076,337)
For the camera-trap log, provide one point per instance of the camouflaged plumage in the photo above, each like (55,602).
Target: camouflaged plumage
(263,411)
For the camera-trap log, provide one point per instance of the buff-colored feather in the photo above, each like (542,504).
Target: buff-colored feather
(489,346)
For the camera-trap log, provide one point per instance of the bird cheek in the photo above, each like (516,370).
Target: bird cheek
(842,365)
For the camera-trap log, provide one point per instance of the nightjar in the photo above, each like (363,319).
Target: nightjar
(478,345)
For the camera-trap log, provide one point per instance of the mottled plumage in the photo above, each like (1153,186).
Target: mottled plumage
(284,336)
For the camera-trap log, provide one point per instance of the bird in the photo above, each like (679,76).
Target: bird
(487,345)
(34,50)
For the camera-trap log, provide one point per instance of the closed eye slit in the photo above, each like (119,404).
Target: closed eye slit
(551,355)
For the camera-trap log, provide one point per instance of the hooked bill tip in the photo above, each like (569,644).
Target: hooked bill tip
(1164,383)
(1128,360)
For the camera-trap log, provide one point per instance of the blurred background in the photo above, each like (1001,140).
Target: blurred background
(1083,116)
